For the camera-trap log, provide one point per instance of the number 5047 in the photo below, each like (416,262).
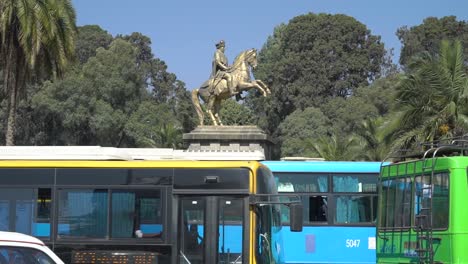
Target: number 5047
(352,243)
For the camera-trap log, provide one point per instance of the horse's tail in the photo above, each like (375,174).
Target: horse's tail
(198,108)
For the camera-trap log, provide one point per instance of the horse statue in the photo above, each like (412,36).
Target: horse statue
(215,90)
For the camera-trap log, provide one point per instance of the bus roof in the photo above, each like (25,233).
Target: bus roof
(111,153)
(416,166)
(324,166)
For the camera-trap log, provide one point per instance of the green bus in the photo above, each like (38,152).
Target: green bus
(422,216)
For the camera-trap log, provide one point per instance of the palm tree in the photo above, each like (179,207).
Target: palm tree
(433,97)
(334,147)
(36,37)
(375,139)
(169,136)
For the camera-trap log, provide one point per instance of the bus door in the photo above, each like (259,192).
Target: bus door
(212,229)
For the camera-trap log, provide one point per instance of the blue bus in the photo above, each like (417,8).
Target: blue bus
(339,210)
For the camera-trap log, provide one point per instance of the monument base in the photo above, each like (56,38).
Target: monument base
(228,138)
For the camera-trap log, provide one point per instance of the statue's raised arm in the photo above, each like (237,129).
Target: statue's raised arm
(226,81)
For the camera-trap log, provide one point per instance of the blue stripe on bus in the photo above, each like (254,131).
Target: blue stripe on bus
(324,166)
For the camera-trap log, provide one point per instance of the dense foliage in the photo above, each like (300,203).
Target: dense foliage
(116,94)
(428,36)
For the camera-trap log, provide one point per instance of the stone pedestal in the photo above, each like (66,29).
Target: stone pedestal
(228,138)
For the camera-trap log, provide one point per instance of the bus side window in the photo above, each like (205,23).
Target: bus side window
(318,209)
(25,210)
(136,213)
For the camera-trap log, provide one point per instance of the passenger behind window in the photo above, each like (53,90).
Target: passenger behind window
(193,238)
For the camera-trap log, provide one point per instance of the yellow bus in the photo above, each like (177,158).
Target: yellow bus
(109,205)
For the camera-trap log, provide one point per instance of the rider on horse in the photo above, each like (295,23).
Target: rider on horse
(215,90)
(220,69)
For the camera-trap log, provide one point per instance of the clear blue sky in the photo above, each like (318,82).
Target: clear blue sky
(184,32)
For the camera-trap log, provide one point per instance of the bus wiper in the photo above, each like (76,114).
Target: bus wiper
(185,257)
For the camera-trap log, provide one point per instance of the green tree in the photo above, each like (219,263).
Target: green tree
(428,36)
(163,85)
(235,114)
(433,97)
(154,125)
(93,103)
(33,40)
(313,58)
(345,114)
(108,101)
(381,94)
(90,38)
(298,128)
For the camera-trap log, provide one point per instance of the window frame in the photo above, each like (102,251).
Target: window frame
(331,197)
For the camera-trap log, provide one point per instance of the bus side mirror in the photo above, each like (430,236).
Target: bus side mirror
(295,217)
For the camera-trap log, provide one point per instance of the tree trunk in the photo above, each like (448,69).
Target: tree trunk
(10,133)
(10,83)
(17,72)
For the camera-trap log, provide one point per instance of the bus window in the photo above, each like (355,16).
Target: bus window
(301,182)
(318,209)
(136,213)
(83,213)
(440,202)
(354,183)
(403,202)
(230,230)
(192,230)
(440,199)
(388,204)
(264,233)
(353,209)
(31,209)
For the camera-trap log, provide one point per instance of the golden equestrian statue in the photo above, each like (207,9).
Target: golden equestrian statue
(225,82)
